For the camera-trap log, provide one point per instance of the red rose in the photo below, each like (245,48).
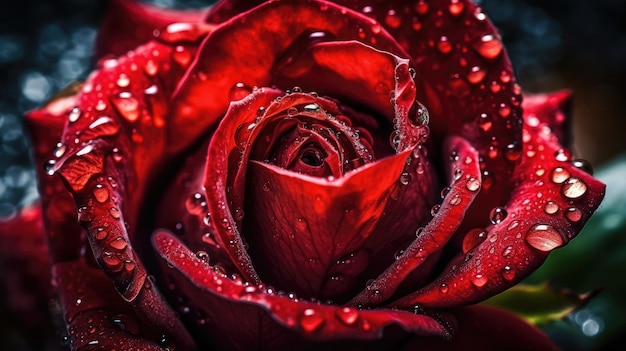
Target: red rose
(301,175)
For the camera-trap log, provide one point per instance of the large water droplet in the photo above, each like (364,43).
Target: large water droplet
(497,215)
(444,45)
(393,19)
(559,175)
(551,207)
(74,114)
(574,188)
(508,273)
(472,184)
(239,91)
(476,75)
(479,280)
(127,106)
(544,237)
(456,7)
(59,150)
(347,315)
(196,204)
(119,243)
(489,46)
(311,320)
(100,193)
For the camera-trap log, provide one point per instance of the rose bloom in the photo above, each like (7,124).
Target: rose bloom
(297,175)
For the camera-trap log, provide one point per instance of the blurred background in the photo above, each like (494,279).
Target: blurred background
(556,44)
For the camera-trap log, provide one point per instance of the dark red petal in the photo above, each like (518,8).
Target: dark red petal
(468,81)
(129,24)
(464,178)
(96,316)
(552,109)
(550,202)
(488,329)
(113,137)
(237,310)
(244,52)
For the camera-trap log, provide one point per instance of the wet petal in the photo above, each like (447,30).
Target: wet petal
(463,175)
(551,201)
(487,328)
(222,296)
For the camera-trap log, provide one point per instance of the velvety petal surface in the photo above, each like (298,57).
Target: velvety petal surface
(550,202)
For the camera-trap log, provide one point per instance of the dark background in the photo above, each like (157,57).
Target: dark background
(578,45)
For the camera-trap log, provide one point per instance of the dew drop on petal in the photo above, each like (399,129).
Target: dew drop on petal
(508,273)
(347,315)
(405,178)
(497,215)
(476,75)
(551,207)
(559,175)
(574,188)
(456,7)
(119,243)
(127,106)
(489,46)
(473,238)
(311,320)
(573,214)
(74,114)
(479,280)
(443,288)
(100,193)
(444,45)
(472,184)
(123,81)
(544,237)
(239,91)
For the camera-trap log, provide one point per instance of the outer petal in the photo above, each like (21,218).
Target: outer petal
(214,303)
(488,329)
(130,23)
(550,203)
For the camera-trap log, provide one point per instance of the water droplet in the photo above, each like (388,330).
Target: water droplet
(479,280)
(512,151)
(479,14)
(104,126)
(508,273)
(476,75)
(583,165)
(196,204)
(110,259)
(100,234)
(573,214)
(551,207)
(405,178)
(119,243)
(421,7)
(455,200)
(485,122)
(203,256)
(472,184)
(129,265)
(123,81)
(85,150)
(114,212)
(473,238)
(100,193)
(393,19)
(497,215)
(506,253)
(562,155)
(544,237)
(182,56)
(127,106)
(347,315)
(434,210)
(311,320)
(239,91)
(489,47)
(151,68)
(444,45)
(559,175)
(574,188)
(238,214)
(456,7)
(100,105)
(74,114)
(59,150)
(312,108)
(443,288)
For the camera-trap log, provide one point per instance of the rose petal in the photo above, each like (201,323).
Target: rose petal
(112,136)
(96,316)
(241,54)
(129,24)
(487,328)
(550,203)
(232,308)
(463,175)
